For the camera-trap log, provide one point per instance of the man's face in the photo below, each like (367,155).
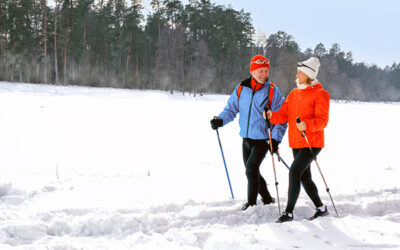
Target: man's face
(260,74)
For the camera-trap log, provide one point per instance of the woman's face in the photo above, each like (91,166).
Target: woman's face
(301,77)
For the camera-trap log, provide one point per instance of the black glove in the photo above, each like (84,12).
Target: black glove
(274,146)
(216,123)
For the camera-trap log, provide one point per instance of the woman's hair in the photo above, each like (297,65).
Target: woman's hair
(308,81)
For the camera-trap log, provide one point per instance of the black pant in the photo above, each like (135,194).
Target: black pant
(254,152)
(300,171)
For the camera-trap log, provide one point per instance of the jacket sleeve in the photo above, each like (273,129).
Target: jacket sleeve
(278,131)
(281,115)
(321,115)
(231,109)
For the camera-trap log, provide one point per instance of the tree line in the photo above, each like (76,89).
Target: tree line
(195,48)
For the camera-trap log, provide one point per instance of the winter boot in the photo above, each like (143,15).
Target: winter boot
(285,217)
(246,206)
(268,201)
(319,213)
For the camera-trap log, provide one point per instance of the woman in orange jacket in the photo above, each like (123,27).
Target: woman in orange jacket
(310,102)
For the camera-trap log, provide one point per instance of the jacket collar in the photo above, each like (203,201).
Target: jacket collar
(314,84)
(247,83)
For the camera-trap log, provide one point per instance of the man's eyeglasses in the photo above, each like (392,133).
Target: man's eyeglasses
(261,61)
(303,65)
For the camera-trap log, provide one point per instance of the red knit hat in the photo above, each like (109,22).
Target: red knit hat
(258,61)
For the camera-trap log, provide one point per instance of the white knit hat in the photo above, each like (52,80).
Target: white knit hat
(310,67)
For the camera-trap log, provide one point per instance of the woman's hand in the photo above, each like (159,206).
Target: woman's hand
(301,126)
(269,114)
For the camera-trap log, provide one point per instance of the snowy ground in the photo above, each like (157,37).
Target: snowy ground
(85,168)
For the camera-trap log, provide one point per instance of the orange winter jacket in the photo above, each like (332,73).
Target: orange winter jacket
(312,106)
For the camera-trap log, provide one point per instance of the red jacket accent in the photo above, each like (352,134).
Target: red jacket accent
(312,106)
(255,84)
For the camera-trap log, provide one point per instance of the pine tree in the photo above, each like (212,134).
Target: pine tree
(4,28)
(133,39)
(201,72)
(319,50)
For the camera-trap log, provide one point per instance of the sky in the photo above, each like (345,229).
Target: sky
(367,28)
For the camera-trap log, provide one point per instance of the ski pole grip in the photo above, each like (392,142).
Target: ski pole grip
(266,109)
(303,133)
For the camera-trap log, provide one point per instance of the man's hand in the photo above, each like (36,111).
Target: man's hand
(274,146)
(216,123)
(268,113)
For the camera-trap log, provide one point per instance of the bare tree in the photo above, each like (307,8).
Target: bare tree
(170,58)
(175,38)
(284,71)
(67,31)
(200,73)
(2,41)
(44,6)
(3,18)
(129,52)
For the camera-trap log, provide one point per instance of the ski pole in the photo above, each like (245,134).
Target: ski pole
(284,163)
(315,159)
(273,161)
(226,169)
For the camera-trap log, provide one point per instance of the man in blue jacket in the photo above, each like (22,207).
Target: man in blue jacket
(249,98)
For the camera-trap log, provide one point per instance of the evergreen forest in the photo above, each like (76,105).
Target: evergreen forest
(193,48)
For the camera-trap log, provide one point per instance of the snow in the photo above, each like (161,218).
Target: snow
(96,168)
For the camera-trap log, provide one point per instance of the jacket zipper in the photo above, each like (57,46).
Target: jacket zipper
(251,104)
(265,99)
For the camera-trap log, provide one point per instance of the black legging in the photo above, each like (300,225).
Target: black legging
(300,171)
(253,154)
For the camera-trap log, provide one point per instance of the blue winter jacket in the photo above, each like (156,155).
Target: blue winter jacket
(251,106)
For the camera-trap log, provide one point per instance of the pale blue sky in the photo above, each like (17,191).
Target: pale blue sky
(368,28)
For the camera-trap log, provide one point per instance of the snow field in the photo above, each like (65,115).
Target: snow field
(85,168)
